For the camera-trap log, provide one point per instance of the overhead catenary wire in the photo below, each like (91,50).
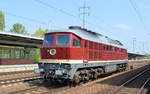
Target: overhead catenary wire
(135,7)
(97,19)
(139,15)
(67,13)
(25,18)
(58,9)
(31,19)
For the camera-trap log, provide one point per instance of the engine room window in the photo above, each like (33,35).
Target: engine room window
(48,41)
(76,43)
(62,40)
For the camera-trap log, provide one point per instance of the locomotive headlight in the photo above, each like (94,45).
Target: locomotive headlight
(52,51)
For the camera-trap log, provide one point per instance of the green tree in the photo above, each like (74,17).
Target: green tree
(147,56)
(36,53)
(18,28)
(40,32)
(2,21)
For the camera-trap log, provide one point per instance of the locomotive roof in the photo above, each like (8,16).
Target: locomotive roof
(92,36)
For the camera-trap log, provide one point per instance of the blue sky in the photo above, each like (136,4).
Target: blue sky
(114,18)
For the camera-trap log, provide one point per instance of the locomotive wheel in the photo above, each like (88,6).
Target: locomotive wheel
(120,69)
(100,71)
(124,68)
(95,75)
(76,79)
(86,79)
(86,76)
(45,79)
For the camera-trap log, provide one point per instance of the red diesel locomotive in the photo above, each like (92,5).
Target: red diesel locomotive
(77,55)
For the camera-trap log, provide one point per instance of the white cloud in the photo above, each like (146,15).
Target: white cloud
(122,26)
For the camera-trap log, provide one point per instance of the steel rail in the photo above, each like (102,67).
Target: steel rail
(56,90)
(19,91)
(12,73)
(16,80)
(24,90)
(128,81)
(141,89)
(51,89)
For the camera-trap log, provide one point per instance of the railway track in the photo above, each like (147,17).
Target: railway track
(143,86)
(136,82)
(19,84)
(35,86)
(17,75)
(16,80)
(19,72)
(106,84)
(40,89)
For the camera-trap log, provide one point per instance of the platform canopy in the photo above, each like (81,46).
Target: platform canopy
(134,55)
(12,39)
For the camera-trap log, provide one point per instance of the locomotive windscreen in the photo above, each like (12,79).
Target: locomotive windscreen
(57,40)
(48,41)
(62,40)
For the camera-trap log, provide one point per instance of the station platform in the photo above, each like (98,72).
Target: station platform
(16,68)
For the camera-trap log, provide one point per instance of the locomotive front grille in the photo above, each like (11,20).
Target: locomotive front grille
(55,70)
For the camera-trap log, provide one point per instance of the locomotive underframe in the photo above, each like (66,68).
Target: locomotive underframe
(65,71)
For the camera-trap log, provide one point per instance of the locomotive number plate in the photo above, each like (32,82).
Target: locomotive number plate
(58,72)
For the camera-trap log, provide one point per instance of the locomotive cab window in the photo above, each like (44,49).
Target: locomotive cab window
(48,41)
(62,40)
(76,43)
